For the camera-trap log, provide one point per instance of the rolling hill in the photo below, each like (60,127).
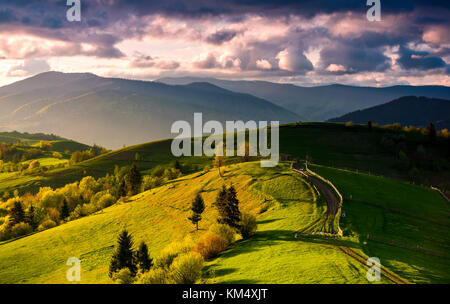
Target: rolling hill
(393,230)
(322,102)
(408,110)
(116,112)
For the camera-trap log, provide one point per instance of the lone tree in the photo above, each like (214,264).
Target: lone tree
(143,258)
(228,206)
(65,212)
(123,257)
(134,180)
(198,206)
(16,214)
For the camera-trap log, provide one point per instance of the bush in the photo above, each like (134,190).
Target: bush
(187,268)
(155,276)
(224,231)
(21,229)
(105,201)
(47,224)
(169,253)
(247,225)
(210,245)
(124,276)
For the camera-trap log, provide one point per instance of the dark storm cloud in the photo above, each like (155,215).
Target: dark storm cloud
(222,36)
(354,58)
(419,60)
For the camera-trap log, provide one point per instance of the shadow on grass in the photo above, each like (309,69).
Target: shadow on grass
(269,221)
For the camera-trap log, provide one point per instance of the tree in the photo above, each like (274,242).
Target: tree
(29,217)
(228,206)
(198,206)
(123,256)
(369,125)
(134,180)
(432,132)
(248,225)
(122,189)
(16,214)
(65,212)
(143,258)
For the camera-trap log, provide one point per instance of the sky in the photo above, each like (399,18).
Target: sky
(310,42)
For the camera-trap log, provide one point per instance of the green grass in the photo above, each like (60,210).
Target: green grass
(160,216)
(406,226)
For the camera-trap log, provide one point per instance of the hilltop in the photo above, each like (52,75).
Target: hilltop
(408,111)
(115,112)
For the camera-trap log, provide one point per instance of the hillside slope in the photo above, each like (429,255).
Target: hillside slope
(285,202)
(408,111)
(115,112)
(322,102)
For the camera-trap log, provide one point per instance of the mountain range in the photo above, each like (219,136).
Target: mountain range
(319,103)
(408,110)
(115,112)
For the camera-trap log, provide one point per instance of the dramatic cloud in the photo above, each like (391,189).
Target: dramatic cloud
(310,41)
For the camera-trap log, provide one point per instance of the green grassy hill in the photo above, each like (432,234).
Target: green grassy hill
(329,144)
(285,203)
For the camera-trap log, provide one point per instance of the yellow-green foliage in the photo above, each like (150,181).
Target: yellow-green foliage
(210,245)
(187,268)
(224,231)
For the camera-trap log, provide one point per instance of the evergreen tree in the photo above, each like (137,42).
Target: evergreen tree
(29,217)
(123,256)
(228,206)
(122,189)
(16,214)
(198,206)
(143,258)
(369,125)
(134,180)
(65,212)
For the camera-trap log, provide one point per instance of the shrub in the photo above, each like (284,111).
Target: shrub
(57,155)
(47,224)
(105,201)
(224,231)
(123,276)
(169,253)
(187,268)
(210,245)
(349,124)
(247,225)
(21,229)
(155,276)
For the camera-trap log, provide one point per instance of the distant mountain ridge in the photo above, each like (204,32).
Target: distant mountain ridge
(322,102)
(115,112)
(408,110)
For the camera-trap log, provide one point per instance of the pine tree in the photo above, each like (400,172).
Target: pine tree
(198,206)
(16,214)
(65,212)
(29,217)
(143,258)
(122,189)
(134,180)
(228,206)
(123,256)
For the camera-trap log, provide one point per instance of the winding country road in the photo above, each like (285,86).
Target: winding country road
(330,197)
